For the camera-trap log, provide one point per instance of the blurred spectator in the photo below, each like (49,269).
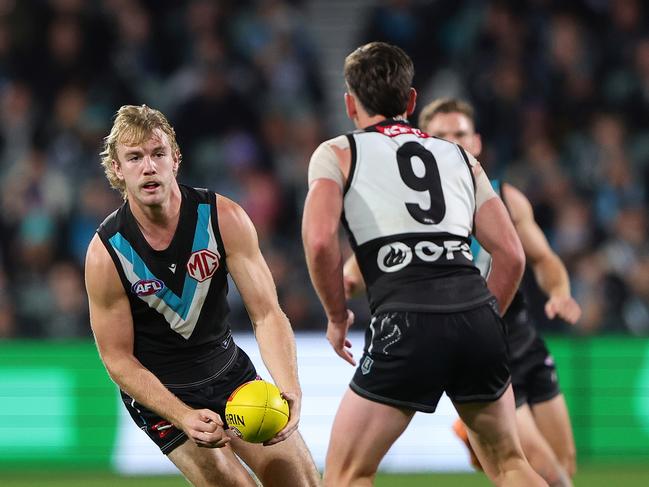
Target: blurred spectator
(562,89)
(68,305)
(18,120)
(7,318)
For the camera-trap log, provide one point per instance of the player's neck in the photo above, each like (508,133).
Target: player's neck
(158,222)
(364,120)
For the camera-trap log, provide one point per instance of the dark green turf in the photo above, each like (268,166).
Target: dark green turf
(593,476)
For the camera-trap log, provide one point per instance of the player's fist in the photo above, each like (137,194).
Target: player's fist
(564,307)
(205,428)
(294,404)
(353,286)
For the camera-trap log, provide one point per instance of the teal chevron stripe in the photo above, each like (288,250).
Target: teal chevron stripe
(180,305)
(475,245)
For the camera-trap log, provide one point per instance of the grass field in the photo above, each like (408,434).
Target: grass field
(634,476)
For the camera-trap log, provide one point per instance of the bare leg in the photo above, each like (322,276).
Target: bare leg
(553,422)
(361,435)
(492,431)
(288,463)
(538,451)
(210,467)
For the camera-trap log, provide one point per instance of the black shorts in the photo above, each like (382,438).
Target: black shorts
(534,376)
(411,358)
(211,396)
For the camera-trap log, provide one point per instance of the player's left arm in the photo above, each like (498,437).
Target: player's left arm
(550,273)
(271,326)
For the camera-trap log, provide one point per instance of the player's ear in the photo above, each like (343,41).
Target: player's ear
(118,170)
(412,101)
(477,145)
(350,106)
(176,162)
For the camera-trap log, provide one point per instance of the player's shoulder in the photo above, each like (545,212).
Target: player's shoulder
(516,200)
(96,245)
(339,142)
(511,192)
(98,259)
(232,216)
(226,205)
(196,194)
(333,153)
(235,226)
(112,222)
(102,280)
(445,150)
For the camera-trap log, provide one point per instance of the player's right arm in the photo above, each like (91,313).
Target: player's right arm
(328,170)
(550,273)
(496,233)
(112,326)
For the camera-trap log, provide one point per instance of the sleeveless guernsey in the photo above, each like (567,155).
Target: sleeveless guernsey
(177,295)
(409,206)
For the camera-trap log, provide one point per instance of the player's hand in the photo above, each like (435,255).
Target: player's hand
(353,286)
(294,405)
(564,307)
(337,336)
(205,428)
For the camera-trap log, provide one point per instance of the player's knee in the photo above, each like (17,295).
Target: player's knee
(283,477)
(215,478)
(349,474)
(296,469)
(545,464)
(555,477)
(348,478)
(569,462)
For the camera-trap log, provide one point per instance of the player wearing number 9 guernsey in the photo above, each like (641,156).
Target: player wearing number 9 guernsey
(409,203)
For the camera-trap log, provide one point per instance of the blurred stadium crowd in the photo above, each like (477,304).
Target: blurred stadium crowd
(561,91)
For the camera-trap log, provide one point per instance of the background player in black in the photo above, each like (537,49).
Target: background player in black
(141,158)
(542,416)
(379,94)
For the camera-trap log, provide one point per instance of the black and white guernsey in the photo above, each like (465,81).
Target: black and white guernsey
(409,206)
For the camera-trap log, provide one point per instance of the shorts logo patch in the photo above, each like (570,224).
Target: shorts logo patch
(147,287)
(163,428)
(366,365)
(390,339)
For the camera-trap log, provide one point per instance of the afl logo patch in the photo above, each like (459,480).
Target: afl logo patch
(202,264)
(147,287)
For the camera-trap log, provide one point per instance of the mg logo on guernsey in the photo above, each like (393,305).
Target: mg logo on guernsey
(202,264)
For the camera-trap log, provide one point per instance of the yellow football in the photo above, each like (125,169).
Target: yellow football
(256,411)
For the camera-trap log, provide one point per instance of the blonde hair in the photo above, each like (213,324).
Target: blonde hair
(133,125)
(445,105)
